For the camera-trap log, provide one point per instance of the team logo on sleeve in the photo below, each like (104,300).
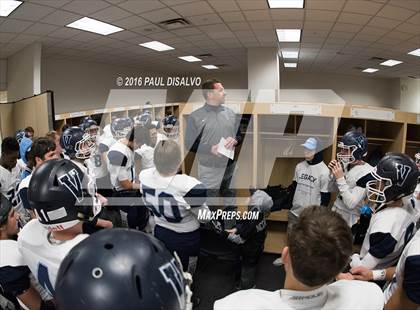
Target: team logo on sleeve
(72,182)
(402,173)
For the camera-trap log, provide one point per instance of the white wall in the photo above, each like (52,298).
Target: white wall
(24,73)
(79,86)
(353,89)
(3,74)
(410,95)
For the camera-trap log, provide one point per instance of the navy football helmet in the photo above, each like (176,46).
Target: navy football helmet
(121,127)
(116,265)
(58,193)
(353,146)
(170,126)
(20,134)
(417,159)
(395,177)
(76,143)
(90,127)
(143,120)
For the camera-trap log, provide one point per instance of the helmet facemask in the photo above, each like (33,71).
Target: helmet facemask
(417,159)
(376,190)
(346,154)
(85,147)
(92,131)
(171,131)
(122,133)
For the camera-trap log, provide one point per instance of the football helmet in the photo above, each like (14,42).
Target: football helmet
(395,177)
(170,126)
(115,265)
(76,143)
(417,158)
(90,127)
(143,120)
(58,193)
(121,127)
(353,146)
(20,134)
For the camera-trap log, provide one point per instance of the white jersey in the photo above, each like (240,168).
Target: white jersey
(9,182)
(42,256)
(350,196)
(311,181)
(96,164)
(20,165)
(120,164)
(23,203)
(88,177)
(174,201)
(416,202)
(389,231)
(146,153)
(342,294)
(407,273)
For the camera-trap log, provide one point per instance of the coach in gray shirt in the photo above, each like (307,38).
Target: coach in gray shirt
(205,127)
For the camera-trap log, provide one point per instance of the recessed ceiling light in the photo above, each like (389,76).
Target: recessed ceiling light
(286,4)
(157,46)
(190,58)
(8,6)
(288,35)
(210,67)
(370,70)
(290,54)
(93,25)
(415,52)
(290,65)
(390,63)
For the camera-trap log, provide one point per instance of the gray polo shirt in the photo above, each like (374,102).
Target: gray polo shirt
(205,127)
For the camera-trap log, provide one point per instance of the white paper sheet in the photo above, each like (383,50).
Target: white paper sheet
(224,151)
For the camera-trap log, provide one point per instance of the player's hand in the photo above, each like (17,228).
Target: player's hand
(344,276)
(362,273)
(214,151)
(104,223)
(102,199)
(336,169)
(230,143)
(231,231)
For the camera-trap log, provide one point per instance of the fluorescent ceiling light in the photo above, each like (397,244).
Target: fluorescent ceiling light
(390,63)
(8,6)
(370,70)
(157,46)
(290,65)
(210,67)
(290,54)
(288,35)
(93,25)
(286,4)
(415,52)
(190,58)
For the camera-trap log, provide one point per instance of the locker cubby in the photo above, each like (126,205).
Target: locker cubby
(412,139)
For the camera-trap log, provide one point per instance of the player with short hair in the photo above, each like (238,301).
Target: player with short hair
(62,204)
(393,222)
(9,173)
(175,201)
(151,278)
(319,247)
(15,283)
(349,171)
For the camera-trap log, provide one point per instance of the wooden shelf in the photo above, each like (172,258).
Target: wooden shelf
(413,142)
(278,216)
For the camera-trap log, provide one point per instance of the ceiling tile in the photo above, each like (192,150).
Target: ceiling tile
(288,24)
(111,14)
(41,29)
(131,22)
(347,27)
(340,34)
(335,5)
(192,9)
(373,30)
(86,37)
(207,19)
(384,22)
(238,26)
(232,17)
(123,35)
(85,7)
(362,7)
(137,7)
(352,18)
(289,14)
(64,33)
(52,3)
(25,39)
(415,19)
(399,35)
(394,12)
(14,26)
(409,28)
(310,25)
(408,4)
(187,31)
(30,11)
(223,5)
(61,18)
(257,15)
(388,40)
(252,4)
(266,25)
(6,37)
(321,15)
(160,15)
